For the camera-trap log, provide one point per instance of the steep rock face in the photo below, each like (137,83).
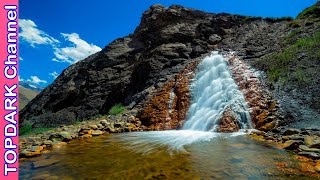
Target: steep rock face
(168,108)
(133,69)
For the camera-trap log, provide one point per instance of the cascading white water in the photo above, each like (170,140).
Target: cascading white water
(213,90)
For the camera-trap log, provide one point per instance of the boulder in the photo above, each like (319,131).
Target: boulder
(97,133)
(292,144)
(93,126)
(61,136)
(228,122)
(26,153)
(307,149)
(289,132)
(311,155)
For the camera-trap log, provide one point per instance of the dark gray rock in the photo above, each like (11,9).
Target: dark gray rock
(289,132)
(312,155)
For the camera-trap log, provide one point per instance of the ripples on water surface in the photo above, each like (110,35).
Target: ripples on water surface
(163,155)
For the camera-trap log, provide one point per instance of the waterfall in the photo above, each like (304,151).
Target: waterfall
(213,91)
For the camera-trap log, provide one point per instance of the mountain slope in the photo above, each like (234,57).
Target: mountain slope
(25,96)
(133,69)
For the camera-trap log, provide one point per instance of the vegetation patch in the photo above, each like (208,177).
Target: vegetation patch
(117,109)
(291,64)
(310,12)
(28,129)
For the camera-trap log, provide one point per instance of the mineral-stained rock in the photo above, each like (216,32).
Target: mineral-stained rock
(168,109)
(26,153)
(228,122)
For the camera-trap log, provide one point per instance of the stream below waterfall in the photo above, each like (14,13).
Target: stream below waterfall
(163,155)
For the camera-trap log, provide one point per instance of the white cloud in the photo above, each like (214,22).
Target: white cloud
(54,74)
(36,80)
(34,36)
(20,58)
(20,78)
(78,51)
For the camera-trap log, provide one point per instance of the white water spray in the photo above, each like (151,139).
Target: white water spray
(214,90)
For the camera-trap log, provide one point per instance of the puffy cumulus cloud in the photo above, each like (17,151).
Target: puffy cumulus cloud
(36,80)
(30,33)
(79,49)
(54,74)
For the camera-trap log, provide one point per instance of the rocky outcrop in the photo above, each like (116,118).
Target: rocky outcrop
(263,107)
(168,108)
(228,122)
(141,70)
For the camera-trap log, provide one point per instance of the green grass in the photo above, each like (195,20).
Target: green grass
(310,12)
(28,129)
(286,65)
(117,109)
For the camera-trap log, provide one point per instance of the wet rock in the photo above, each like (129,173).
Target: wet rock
(289,132)
(97,133)
(292,144)
(61,136)
(44,163)
(228,122)
(86,136)
(28,154)
(312,155)
(36,148)
(84,130)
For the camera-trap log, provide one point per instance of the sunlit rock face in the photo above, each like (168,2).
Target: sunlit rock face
(135,69)
(168,108)
(263,108)
(211,101)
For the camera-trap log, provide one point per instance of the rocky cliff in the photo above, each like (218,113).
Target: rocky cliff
(142,69)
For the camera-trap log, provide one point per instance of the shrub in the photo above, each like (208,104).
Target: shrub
(116,109)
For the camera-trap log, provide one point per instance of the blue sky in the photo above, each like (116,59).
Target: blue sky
(56,33)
